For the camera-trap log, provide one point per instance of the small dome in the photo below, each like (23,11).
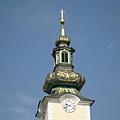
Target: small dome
(62,40)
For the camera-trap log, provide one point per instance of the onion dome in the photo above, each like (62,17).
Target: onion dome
(63,77)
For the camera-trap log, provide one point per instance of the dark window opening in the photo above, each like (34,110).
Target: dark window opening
(64,57)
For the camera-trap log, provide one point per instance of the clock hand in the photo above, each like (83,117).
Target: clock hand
(66,104)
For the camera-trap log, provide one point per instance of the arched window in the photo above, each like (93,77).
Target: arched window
(64,56)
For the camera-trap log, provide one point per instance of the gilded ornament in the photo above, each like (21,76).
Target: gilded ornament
(59,91)
(51,79)
(66,76)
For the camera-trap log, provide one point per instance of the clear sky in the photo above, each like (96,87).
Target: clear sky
(28,31)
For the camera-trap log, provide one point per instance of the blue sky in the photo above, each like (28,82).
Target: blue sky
(28,31)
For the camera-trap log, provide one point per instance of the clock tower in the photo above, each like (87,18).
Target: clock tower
(63,85)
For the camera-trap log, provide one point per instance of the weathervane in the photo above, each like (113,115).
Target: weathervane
(62,21)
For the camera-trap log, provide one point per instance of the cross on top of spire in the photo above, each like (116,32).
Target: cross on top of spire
(62,13)
(62,21)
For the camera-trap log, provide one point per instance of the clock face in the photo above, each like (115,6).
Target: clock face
(69,105)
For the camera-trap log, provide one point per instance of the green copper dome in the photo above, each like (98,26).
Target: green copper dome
(63,77)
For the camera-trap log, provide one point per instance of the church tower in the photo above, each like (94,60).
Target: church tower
(63,85)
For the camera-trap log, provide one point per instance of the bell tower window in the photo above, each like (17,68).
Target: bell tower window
(64,57)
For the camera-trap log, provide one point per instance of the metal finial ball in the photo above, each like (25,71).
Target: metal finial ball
(62,21)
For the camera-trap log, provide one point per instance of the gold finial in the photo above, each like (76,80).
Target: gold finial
(62,21)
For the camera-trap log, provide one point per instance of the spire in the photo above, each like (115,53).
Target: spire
(63,79)
(62,38)
(62,21)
